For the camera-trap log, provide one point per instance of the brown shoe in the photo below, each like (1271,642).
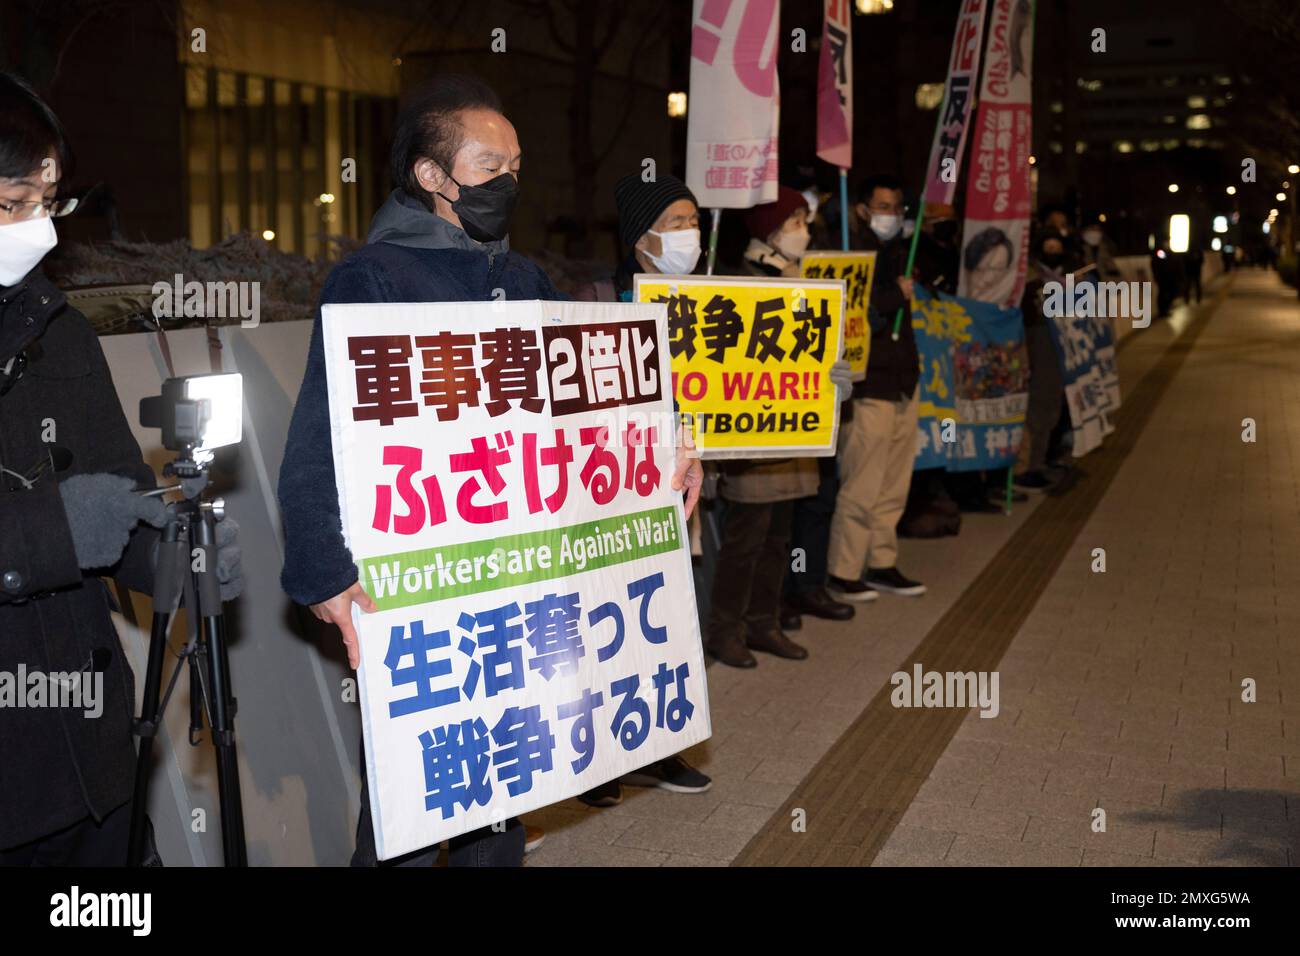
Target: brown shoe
(775,642)
(733,654)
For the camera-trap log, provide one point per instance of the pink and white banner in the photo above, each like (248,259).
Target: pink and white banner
(958,97)
(734,106)
(835,86)
(995,246)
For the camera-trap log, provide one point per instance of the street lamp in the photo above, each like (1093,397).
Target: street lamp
(1293,169)
(1173,187)
(1231,190)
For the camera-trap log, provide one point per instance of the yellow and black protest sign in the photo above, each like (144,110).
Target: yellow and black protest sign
(857,269)
(750,359)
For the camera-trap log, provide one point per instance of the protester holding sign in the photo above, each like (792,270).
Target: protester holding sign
(659,225)
(440,237)
(755,552)
(878,444)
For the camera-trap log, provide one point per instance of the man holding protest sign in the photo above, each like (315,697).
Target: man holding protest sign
(440,237)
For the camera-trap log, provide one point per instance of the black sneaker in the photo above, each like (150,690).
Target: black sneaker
(1033,481)
(889,579)
(671,773)
(606,795)
(858,591)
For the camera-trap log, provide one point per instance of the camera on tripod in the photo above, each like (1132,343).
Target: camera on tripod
(197,414)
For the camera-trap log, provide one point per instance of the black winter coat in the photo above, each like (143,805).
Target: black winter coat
(893,368)
(57,765)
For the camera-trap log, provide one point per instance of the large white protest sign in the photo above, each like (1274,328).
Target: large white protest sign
(504,477)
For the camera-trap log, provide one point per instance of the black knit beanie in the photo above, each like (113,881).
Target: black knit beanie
(640,203)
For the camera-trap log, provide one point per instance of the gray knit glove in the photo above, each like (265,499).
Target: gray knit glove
(102,511)
(842,378)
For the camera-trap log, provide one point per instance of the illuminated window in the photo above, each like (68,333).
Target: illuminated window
(929,96)
(676,104)
(1196,102)
(1198,121)
(1123,146)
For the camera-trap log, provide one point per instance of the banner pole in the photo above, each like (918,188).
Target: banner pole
(714,225)
(844,208)
(1008,505)
(916,234)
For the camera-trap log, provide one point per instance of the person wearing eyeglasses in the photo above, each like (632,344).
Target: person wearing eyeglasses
(69,513)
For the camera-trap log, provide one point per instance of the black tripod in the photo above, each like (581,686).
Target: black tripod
(187,555)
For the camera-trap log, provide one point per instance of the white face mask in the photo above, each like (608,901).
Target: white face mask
(886,227)
(23,245)
(1092,237)
(792,244)
(681,250)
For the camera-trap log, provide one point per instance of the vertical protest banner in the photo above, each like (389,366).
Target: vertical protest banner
(734,105)
(504,476)
(856,269)
(1085,348)
(835,99)
(995,244)
(835,86)
(954,112)
(974,387)
(751,361)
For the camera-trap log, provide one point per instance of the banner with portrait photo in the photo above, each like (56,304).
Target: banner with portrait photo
(856,269)
(995,243)
(751,361)
(974,388)
(504,477)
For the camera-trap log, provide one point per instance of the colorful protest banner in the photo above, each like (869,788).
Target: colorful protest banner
(995,245)
(504,480)
(1085,348)
(857,269)
(974,388)
(751,360)
(835,86)
(958,94)
(731,125)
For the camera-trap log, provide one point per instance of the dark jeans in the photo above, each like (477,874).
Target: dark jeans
(1046,392)
(752,563)
(483,847)
(85,843)
(811,529)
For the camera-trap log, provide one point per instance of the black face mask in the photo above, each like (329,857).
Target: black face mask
(1052,260)
(485,210)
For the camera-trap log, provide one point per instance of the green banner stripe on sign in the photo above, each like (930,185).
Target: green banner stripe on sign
(435,574)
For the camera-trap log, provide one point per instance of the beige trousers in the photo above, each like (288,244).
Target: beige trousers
(877,450)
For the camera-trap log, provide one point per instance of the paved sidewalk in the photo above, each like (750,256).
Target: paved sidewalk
(1123,690)
(1120,690)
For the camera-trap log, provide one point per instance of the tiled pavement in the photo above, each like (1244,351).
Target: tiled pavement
(1121,690)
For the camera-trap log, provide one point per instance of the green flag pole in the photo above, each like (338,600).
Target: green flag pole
(844,208)
(916,233)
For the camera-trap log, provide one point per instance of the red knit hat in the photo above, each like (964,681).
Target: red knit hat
(766,218)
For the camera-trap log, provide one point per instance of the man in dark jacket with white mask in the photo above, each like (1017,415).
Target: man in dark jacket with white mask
(440,237)
(878,444)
